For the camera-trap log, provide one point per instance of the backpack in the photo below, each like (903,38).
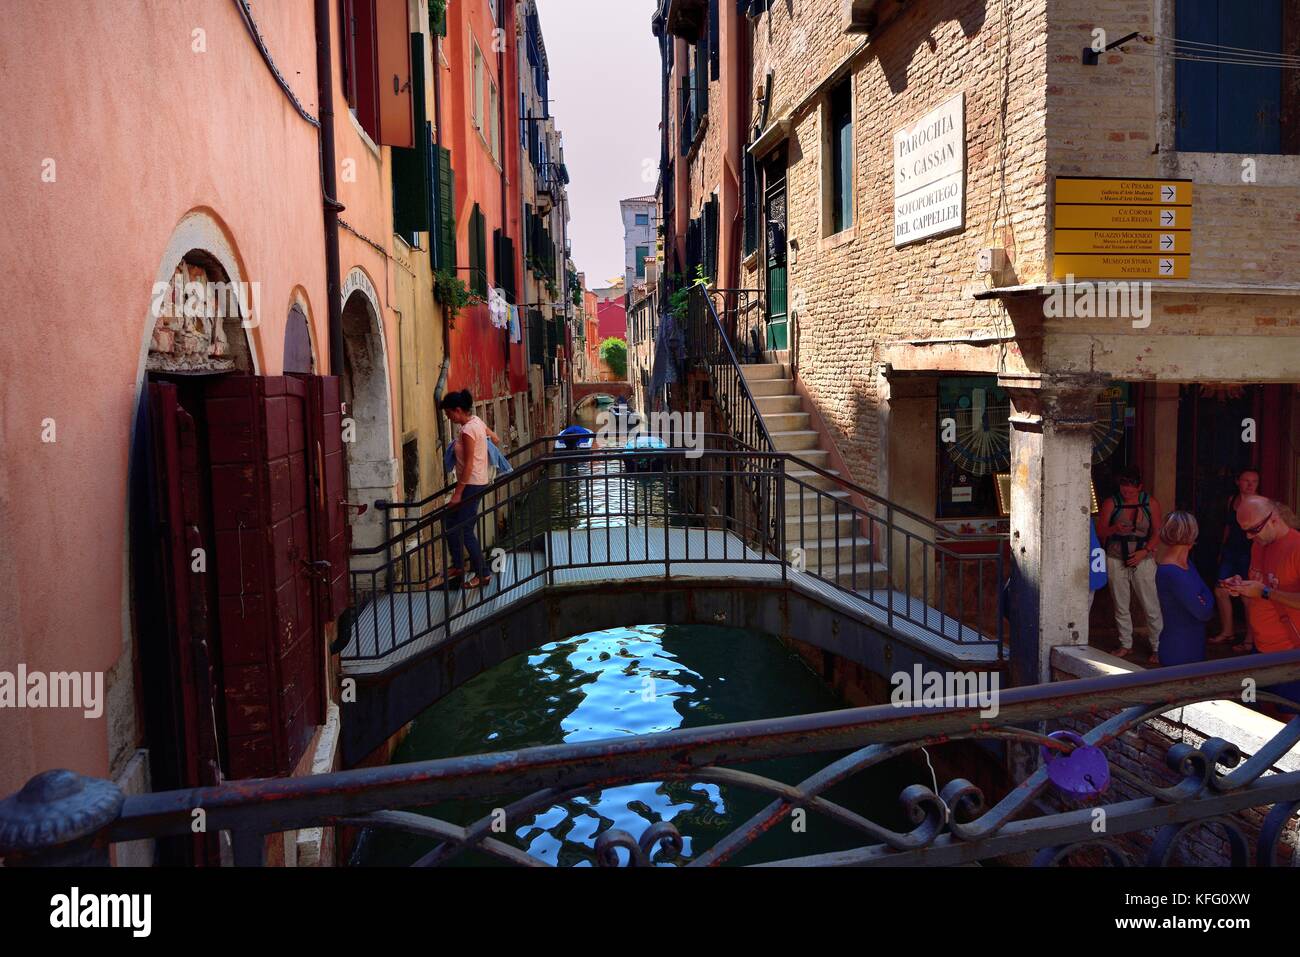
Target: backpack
(1131,542)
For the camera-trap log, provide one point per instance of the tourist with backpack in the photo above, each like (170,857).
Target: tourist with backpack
(1129,525)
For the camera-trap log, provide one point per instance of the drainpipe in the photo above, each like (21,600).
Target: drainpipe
(440,388)
(332,207)
(501,124)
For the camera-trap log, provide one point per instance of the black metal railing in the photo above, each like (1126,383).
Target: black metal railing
(709,344)
(707,499)
(741,315)
(63,818)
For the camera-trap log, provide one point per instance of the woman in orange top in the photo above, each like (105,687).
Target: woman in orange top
(473,475)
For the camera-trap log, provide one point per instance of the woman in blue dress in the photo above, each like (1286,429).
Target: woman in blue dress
(1185,602)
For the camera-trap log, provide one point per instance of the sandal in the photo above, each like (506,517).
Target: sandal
(451,577)
(1223,639)
(1243,648)
(1122,652)
(474,581)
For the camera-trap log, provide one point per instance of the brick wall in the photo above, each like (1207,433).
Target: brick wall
(855,292)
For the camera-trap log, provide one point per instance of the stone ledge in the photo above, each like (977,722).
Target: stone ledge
(1248,730)
(312,849)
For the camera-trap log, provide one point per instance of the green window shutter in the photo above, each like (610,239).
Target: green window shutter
(438,17)
(480,253)
(475,263)
(444,195)
(411,166)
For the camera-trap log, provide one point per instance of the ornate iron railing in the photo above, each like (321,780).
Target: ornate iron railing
(64,818)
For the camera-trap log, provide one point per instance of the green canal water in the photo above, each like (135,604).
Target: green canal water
(595,686)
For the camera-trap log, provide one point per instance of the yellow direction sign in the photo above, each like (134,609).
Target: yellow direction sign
(1123,240)
(1109,228)
(1122,266)
(1124,192)
(1123,217)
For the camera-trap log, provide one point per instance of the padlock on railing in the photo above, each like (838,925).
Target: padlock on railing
(1082,772)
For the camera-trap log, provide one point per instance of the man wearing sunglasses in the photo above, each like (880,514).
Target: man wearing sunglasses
(1272,593)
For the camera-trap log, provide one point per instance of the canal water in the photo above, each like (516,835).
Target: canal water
(629,681)
(640,680)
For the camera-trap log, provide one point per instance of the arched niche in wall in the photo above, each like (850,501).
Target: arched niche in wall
(297,343)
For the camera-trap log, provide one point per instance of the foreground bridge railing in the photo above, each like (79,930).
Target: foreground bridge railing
(646,512)
(64,818)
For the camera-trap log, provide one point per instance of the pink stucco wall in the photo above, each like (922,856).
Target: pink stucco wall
(143,129)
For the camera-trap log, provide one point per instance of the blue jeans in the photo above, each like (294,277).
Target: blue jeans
(459,525)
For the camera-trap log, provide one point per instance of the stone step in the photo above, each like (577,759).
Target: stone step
(813,479)
(778,404)
(827,496)
(765,370)
(794,441)
(814,456)
(811,528)
(786,421)
(832,568)
(760,387)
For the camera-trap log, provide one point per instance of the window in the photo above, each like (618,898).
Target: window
(411,167)
(479,69)
(840,149)
(495,121)
(749,183)
(973,444)
(478,274)
(1233,106)
(643,219)
(376,42)
(642,253)
(443,244)
(715,41)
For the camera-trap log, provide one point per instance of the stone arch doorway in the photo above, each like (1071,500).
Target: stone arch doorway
(198,331)
(372,466)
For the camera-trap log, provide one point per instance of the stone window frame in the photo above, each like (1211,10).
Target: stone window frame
(829,238)
(1213,169)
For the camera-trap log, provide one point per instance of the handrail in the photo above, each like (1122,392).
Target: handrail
(950,824)
(926,584)
(728,355)
(551,458)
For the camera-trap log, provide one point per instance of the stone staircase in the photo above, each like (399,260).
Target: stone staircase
(831,535)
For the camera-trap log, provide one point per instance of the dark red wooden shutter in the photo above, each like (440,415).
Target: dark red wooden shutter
(332,541)
(270,641)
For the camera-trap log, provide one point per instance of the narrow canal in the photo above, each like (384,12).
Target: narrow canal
(639,680)
(628,681)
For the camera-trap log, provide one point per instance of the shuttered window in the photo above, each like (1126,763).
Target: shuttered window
(444,198)
(1235,107)
(749,186)
(701,82)
(478,267)
(715,38)
(504,251)
(711,239)
(411,174)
